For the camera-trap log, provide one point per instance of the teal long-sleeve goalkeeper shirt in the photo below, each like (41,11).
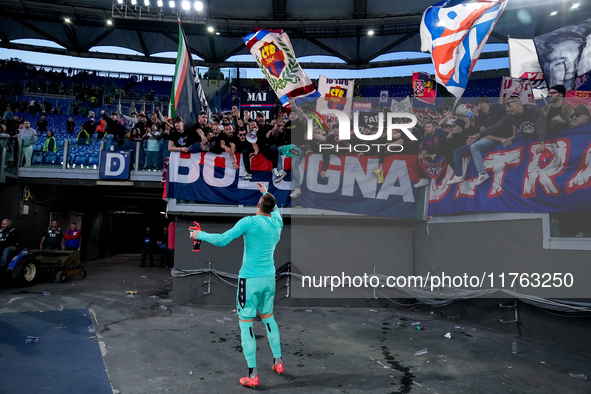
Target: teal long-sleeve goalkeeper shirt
(261,234)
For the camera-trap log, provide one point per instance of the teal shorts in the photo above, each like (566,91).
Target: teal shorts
(255,294)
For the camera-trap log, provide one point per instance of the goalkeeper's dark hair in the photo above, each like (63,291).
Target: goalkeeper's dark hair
(267,203)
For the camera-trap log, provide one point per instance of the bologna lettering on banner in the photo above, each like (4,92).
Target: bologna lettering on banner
(521,182)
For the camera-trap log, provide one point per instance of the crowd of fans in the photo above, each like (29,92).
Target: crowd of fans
(440,135)
(443,137)
(19,76)
(82,90)
(489,125)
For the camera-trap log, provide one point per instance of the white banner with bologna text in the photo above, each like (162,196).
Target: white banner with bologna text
(349,183)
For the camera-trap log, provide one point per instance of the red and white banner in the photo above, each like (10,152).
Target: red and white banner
(576,97)
(358,106)
(517,87)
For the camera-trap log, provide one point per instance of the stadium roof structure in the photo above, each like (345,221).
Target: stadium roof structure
(338,28)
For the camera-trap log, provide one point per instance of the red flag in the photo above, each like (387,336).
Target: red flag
(424,88)
(576,97)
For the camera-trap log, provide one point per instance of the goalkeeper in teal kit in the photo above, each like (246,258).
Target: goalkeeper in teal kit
(256,278)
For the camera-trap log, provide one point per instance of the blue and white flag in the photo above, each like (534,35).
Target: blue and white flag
(455,32)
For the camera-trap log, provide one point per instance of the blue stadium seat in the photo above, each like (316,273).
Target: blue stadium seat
(50,158)
(72,155)
(81,160)
(93,159)
(37,158)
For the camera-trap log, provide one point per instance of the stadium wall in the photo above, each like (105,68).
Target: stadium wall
(316,247)
(500,246)
(228,259)
(355,246)
(506,246)
(410,248)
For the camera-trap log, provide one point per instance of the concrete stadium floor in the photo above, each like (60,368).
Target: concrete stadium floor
(152,345)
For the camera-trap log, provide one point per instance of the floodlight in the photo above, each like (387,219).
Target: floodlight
(186,5)
(147,3)
(160,3)
(370,32)
(210,29)
(198,6)
(109,22)
(171,4)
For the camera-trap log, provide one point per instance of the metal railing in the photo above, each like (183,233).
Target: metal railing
(83,159)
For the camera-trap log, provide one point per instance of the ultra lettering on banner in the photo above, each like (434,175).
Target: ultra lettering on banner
(520,181)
